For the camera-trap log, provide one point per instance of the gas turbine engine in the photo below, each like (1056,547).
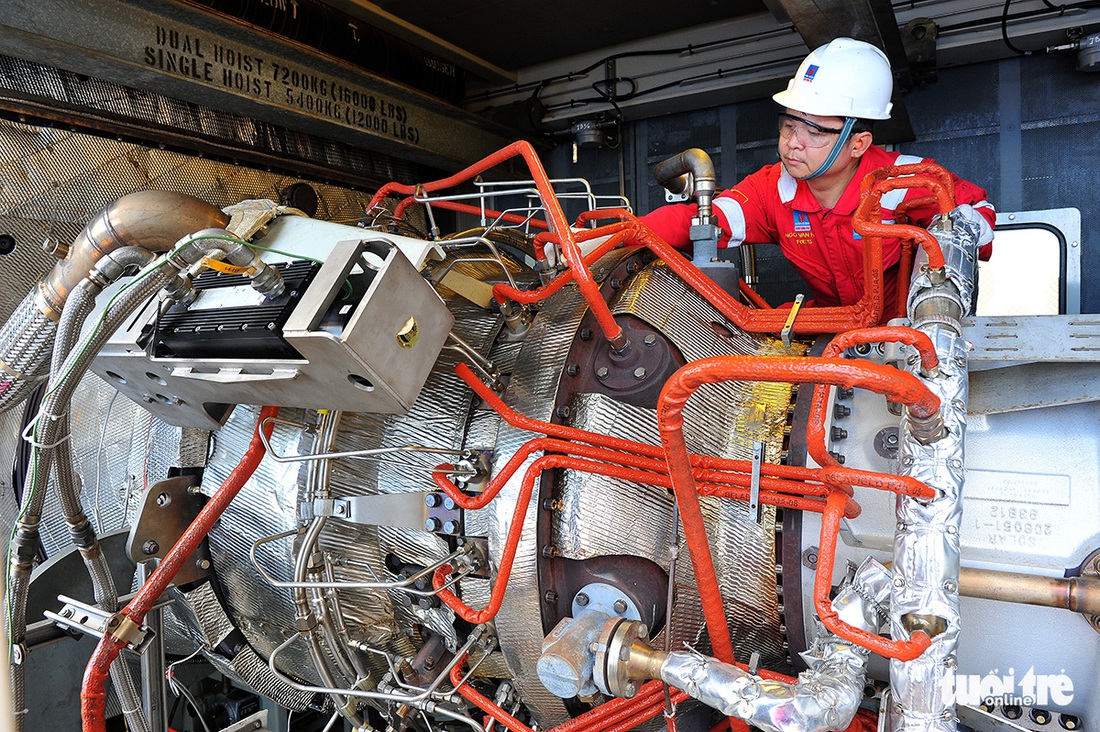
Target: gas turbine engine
(472,498)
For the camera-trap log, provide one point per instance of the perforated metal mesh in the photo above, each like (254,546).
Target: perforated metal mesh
(149,111)
(51,183)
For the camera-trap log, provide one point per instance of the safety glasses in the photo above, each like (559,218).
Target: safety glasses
(809,133)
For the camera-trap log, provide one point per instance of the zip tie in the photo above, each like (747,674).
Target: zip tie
(226,268)
(29,439)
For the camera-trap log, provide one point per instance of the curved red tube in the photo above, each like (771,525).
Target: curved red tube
(815,425)
(628,447)
(903,650)
(558,223)
(727,368)
(92,693)
(867,219)
(523,501)
(511,218)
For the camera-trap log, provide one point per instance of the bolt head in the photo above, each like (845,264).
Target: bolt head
(582,599)
(620,606)
(150,548)
(432,524)
(431,500)
(602,372)
(163,499)
(650,340)
(630,689)
(203,564)
(624,653)
(448,503)
(450,527)
(639,373)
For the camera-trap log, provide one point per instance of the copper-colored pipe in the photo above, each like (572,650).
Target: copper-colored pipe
(1079,594)
(152,220)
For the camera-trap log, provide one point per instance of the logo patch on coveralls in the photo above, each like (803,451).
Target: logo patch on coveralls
(811,71)
(801,221)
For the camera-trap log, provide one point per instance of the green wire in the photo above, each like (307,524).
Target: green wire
(35,452)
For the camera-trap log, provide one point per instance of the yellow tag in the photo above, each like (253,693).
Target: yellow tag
(225,267)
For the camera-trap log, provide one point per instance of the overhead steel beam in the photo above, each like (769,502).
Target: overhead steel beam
(873,21)
(185,52)
(390,23)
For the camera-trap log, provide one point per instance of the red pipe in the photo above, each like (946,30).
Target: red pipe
(93,695)
(867,219)
(619,444)
(503,291)
(903,650)
(651,471)
(670,420)
(523,500)
(648,700)
(558,223)
(753,296)
(815,425)
(905,260)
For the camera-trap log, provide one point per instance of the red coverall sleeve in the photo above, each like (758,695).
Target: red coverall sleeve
(965,193)
(739,212)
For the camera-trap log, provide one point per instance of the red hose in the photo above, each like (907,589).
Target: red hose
(93,695)
(558,223)
(815,425)
(903,650)
(905,258)
(902,386)
(523,501)
(867,219)
(648,702)
(652,471)
(626,447)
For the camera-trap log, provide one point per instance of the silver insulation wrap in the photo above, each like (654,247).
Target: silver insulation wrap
(926,541)
(826,697)
(926,554)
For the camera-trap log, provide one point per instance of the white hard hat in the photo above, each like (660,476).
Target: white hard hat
(843,78)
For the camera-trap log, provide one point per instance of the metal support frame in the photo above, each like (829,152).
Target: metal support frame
(177,49)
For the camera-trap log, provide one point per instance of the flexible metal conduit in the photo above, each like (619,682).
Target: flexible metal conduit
(47,434)
(154,220)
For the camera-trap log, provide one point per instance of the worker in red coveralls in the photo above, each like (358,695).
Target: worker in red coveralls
(806,201)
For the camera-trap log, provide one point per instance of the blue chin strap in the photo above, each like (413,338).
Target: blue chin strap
(845,132)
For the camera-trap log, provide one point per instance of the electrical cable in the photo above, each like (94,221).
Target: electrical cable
(1004,32)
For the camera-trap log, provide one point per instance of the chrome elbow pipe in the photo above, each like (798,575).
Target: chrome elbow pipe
(692,168)
(152,220)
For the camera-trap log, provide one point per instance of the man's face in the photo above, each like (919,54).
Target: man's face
(805,141)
